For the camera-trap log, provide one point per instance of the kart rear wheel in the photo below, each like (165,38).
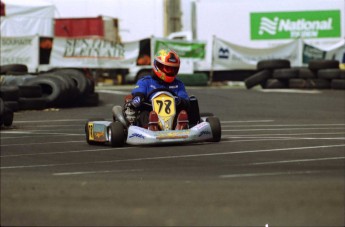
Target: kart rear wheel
(216,128)
(116,133)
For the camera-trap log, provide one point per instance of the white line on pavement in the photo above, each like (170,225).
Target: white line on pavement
(44,135)
(299,160)
(292,125)
(114,92)
(266,174)
(28,144)
(174,157)
(253,139)
(279,129)
(249,121)
(291,91)
(48,121)
(95,172)
(65,152)
(294,134)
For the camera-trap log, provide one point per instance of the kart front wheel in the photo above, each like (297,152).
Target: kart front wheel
(116,134)
(215,128)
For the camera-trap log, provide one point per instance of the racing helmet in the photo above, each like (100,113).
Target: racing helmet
(166,65)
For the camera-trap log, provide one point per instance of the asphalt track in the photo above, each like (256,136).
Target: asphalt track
(281,162)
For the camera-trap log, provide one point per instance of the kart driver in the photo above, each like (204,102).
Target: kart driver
(166,65)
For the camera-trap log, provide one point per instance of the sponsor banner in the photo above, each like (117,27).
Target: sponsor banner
(230,56)
(295,24)
(188,51)
(335,51)
(185,49)
(93,53)
(312,53)
(20,50)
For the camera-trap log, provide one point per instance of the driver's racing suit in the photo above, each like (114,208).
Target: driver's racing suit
(149,83)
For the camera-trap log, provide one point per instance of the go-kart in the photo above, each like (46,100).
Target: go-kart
(202,127)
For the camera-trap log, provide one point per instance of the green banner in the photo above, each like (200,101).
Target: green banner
(286,25)
(184,49)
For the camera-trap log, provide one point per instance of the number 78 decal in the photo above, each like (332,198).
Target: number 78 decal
(164,105)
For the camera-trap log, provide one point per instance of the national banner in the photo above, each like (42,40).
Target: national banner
(295,24)
(20,50)
(93,53)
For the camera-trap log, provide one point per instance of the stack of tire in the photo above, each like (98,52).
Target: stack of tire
(59,88)
(6,114)
(275,74)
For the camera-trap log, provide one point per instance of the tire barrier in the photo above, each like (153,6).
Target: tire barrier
(59,88)
(276,74)
(6,114)
(17,69)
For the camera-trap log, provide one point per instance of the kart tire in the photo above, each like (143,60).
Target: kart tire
(328,74)
(8,117)
(116,134)
(13,105)
(273,64)
(316,65)
(319,84)
(342,74)
(9,93)
(338,84)
(68,95)
(258,78)
(2,107)
(15,80)
(30,91)
(51,89)
(305,73)
(215,128)
(298,83)
(79,79)
(39,103)
(4,69)
(285,73)
(275,84)
(6,114)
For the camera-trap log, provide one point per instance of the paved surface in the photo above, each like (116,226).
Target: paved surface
(281,162)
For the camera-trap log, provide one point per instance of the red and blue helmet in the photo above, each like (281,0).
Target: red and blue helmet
(166,65)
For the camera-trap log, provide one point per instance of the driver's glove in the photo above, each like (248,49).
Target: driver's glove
(177,100)
(136,101)
(130,113)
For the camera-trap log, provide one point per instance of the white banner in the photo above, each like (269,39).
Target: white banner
(93,53)
(228,56)
(20,50)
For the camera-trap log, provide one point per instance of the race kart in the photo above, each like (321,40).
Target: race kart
(202,127)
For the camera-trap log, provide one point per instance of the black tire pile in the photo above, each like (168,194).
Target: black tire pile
(278,74)
(60,88)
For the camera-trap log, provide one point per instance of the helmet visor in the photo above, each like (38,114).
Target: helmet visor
(168,70)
